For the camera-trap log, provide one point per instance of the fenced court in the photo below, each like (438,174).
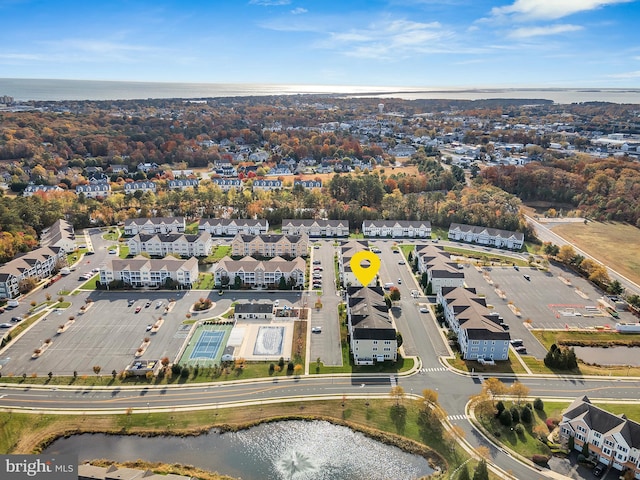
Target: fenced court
(206,345)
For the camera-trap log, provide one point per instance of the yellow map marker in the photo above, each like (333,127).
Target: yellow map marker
(367,273)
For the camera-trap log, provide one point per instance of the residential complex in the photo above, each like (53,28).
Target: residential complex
(143,272)
(270,245)
(163,244)
(60,234)
(486,236)
(478,329)
(233,226)
(316,228)
(372,335)
(611,439)
(37,264)
(348,250)
(440,269)
(260,273)
(133,226)
(396,229)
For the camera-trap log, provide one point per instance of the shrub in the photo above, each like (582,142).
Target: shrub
(176,369)
(515,414)
(538,404)
(539,459)
(551,423)
(272,367)
(290,367)
(505,418)
(526,416)
(184,373)
(499,408)
(519,429)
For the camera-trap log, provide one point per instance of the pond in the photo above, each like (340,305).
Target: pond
(288,450)
(609,356)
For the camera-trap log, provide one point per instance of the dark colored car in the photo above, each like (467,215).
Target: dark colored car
(599,469)
(16,319)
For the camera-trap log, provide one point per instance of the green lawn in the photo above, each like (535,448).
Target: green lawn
(91,284)
(124,251)
(111,235)
(218,254)
(206,281)
(191,228)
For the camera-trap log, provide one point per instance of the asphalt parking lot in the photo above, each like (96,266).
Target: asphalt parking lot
(545,299)
(107,334)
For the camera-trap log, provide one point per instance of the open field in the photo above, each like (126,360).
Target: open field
(595,238)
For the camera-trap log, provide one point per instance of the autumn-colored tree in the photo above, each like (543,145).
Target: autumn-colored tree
(397,393)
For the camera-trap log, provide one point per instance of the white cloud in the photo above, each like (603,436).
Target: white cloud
(269,3)
(299,11)
(394,39)
(527,32)
(551,9)
(635,74)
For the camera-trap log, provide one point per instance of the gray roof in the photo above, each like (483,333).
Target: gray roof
(397,223)
(369,314)
(310,222)
(153,220)
(492,232)
(171,237)
(253,308)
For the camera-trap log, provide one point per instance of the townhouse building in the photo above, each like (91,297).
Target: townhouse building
(260,273)
(233,226)
(373,337)
(307,183)
(346,252)
(440,269)
(611,439)
(486,236)
(227,184)
(133,226)
(94,190)
(140,186)
(316,228)
(37,264)
(33,189)
(270,245)
(183,183)
(478,330)
(163,244)
(267,184)
(396,228)
(60,234)
(144,272)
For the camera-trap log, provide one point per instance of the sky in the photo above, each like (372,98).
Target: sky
(404,43)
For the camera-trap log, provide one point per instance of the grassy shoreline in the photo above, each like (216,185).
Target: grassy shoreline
(29,433)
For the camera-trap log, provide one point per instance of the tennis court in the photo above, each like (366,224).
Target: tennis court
(206,345)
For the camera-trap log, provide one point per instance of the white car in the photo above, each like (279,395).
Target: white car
(316,329)
(424,310)
(276,303)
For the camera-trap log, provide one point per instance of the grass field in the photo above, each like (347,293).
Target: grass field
(595,237)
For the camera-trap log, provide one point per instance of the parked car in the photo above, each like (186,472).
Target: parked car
(521,349)
(316,262)
(5,325)
(131,302)
(401,262)
(516,268)
(148,304)
(527,278)
(138,308)
(516,342)
(149,327)
(599,469)
(424,310)
(316,329)
(276,303)
(16,319)
(159,304)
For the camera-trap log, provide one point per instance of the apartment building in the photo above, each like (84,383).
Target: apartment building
(372,335)
(486,236)
(316,228)
(260,273)
(143,272)
(37,264)
(233,226)
(270,245)
(134,226)
(163,244)
(396,228)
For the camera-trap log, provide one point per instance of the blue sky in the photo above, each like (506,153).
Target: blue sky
(412,43)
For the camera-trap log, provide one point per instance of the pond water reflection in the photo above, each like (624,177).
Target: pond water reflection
(295,450)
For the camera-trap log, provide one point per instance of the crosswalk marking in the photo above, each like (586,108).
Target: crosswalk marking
(433,369)
(456,417)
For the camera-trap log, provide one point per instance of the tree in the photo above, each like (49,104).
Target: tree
(526,416)
(515,414)
(494,387)
(519,390)
(464,473)
(50,375)
(96,369)
(481,472)
(397,393)
(615,288)
(430,396)
(538,404)
(399,339)
(394,294)
(505,418)
(566,254)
